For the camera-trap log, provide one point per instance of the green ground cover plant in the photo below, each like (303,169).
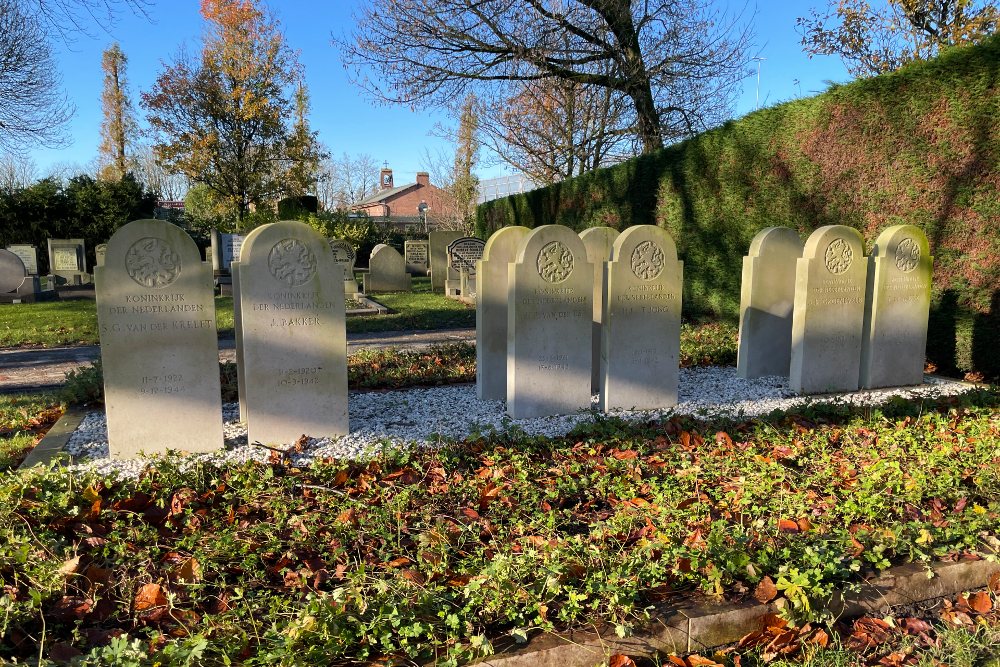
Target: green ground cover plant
(441,554)
(420,309)
(24,418)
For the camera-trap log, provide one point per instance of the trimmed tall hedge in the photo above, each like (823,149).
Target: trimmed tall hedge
(918,146)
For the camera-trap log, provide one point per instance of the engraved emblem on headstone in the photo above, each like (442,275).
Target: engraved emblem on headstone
(152,262)
(838,256)
(555,262)
(343,253)
(647,260)
(907,255)
(291,262)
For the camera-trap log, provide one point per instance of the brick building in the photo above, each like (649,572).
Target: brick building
(405,206)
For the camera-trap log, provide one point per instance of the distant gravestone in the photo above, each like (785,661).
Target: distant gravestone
(159,346)
(99,252)
(549,314)
(491,312)
(898,300)
(28,255)
(12,272)
(829,312)
(438,243)
(344,255)
(386,271)
(294,338)
(67,261)
(599,241)
(463,253)
(641,323)
(766,300)
(416,255)
(231,245)
(241,369)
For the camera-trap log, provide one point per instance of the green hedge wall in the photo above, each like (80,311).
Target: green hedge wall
(918,146)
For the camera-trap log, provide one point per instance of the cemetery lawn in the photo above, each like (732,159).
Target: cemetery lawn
(420,309)
(443,554)
(24,418)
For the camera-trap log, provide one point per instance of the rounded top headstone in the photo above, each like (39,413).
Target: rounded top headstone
(465,251)
(647,248)
(505,241)
(837,247)
(378,248)
(555,251)
(293,252)
(775,239)
(905,245)
(12,271)
(153,253)
(598,241)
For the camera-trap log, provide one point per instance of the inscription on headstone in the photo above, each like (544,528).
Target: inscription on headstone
(416,255)
(386,271)
(231,245)
(641,323)
(294,338)
(491,312)
(241,372)
(438,242)
(463,254)
(898,300)
(345,256)
(549,325)
(159,346)
(67,261)
(28,255)
(599,241)
(766,300)
(829,312)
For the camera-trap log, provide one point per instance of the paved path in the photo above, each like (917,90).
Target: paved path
(45,368)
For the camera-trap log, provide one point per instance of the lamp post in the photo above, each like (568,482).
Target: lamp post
(422,212)
(758,59)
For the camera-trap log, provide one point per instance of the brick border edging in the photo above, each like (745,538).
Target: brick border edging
(698,628)
(50,447)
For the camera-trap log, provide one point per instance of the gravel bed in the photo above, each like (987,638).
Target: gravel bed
(431,416)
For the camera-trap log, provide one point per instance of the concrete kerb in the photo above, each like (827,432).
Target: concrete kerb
(51,446)
(704,627)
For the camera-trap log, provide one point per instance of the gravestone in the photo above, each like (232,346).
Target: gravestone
(67,261)
(641,323)
(28,255)
(241,371)
(99,252)
(416,255)
(829,312)
(344,255)
(159,345)
(491,312)
(897,306)
(12,272)
(599,241)
(294,338)
(767,297)
(231,245)
(438,242)
(386,271)
(463,253)
(549,325)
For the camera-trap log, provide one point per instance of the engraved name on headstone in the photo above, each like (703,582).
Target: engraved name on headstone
(159,343)
(599,241)
(345,256)
(829,312)
(549,325)
(416,255)
(28,255)
(463,254)
(67,261)
(898,300)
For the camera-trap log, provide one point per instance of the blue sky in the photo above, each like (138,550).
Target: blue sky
(345,119)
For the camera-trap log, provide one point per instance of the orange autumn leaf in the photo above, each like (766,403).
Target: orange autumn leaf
(788,526)
(981,603)
(765,591)
(149,596)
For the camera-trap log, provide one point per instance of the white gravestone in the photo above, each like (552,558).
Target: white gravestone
(898,301)
(99,252)
(28,255)
(599,241)
(294,338)
(386,271)
(159,343)
(767,296)
(641,323)
(67,261)
(416,255)
(829,312)
(241,370)
(491,312)
(345,255)
(438,242)
(549,325)
(231,246)
(463,254)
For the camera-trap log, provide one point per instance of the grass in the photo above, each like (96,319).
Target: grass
(420,309)
(441,554)
(23,418)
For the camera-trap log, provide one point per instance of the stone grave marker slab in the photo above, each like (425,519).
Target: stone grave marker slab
(767,297)
(28,255)
(438,242)
(641,323)
(294,338)
(599,241)
(386,271)
(231,245)
(416,254)
(897,307)
(345,256)
(159,345)
(463,254)
(12,272)
(99,252)
(829,312)
(241,372)
(549,325)
(67,261)
(491,312)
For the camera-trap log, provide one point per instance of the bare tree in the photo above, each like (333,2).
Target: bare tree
(69,18)
(168,185)
(16,172)
(678,63)
(346,181)
(32,110)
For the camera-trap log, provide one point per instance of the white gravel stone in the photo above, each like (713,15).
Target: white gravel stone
(432,416)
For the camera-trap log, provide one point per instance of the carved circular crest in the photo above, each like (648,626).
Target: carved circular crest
(907,255)
(555,262)
(291,262)
(647,260)
(152,262)
(839,256)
